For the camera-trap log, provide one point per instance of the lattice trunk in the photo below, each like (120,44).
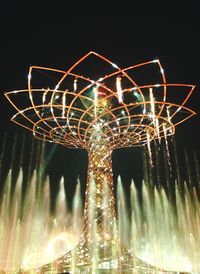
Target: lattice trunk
(99,241)
(100,232)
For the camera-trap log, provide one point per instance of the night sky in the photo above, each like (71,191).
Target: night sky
(56,34)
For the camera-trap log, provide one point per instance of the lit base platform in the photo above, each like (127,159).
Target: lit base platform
(123,264)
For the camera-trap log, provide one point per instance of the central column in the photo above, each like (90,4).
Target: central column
(100,237)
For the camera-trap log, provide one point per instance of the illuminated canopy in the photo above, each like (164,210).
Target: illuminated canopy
(131,109)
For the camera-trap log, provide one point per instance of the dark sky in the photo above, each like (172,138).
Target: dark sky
(55,34)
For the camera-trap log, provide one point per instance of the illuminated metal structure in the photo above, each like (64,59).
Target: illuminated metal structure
(118,108)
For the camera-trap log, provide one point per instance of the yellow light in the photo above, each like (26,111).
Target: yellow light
(119,89)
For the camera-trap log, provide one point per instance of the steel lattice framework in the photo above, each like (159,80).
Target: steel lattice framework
(68,116)
(119,109)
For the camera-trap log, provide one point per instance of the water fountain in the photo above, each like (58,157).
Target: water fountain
(145,227)
(31,233)
(119,109)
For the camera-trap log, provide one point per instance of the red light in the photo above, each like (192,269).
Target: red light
(101,91)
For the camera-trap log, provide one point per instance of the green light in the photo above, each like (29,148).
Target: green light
(136,94)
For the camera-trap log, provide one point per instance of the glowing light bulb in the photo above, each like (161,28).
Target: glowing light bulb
(114,65)
(95,100)
(152,102)
(75,85)
(44,96)
(57,86)
(119,89)
(162,70)
(30,96)
(63,105)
